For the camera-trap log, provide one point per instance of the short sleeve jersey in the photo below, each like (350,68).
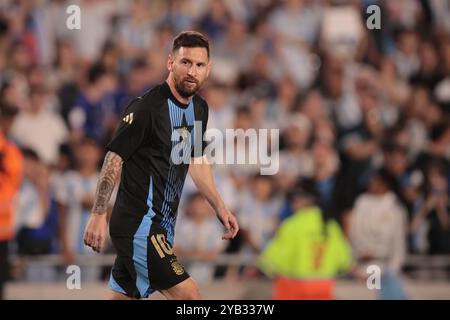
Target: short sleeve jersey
(156,138)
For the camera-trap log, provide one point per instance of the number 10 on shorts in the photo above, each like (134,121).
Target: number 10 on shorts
(161,245)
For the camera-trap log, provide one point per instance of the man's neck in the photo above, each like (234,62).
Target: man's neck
(174,91)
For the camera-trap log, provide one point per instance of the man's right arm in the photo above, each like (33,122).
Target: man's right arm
(95,233)
(109,175)
(131,132)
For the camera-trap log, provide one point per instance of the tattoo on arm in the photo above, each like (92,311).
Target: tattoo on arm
(111,169)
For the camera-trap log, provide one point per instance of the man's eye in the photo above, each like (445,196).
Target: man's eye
(184,62)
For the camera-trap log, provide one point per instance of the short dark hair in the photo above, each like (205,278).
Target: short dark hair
(384,176)
(96,72)
(392,146)
(8,111)
(438,131)
(31,154)
(190,39)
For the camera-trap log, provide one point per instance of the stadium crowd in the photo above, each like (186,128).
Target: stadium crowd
(363,114)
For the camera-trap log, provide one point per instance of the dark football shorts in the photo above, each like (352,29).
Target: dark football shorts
(145,264)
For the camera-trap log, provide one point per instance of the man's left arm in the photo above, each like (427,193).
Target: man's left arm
(202,176)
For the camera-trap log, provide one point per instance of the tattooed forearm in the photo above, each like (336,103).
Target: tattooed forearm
(112,167)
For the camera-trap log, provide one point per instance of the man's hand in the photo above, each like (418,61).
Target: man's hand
(229,222)
(201,174)
(95,233)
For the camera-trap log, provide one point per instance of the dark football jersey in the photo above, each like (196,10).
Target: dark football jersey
(156,139)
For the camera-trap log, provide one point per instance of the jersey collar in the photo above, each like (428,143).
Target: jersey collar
(171,96)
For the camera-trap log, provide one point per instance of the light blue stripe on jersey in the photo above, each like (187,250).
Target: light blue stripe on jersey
(190,119)
(173,187)
(176,116)
(140,246)
(114,285)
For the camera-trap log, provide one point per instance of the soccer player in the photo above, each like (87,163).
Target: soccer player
(156,128)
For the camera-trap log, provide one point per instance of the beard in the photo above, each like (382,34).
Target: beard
(183,89)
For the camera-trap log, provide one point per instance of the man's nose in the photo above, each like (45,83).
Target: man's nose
(192,71)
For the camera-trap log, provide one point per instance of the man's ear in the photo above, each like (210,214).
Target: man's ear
(170,60)
(208,68)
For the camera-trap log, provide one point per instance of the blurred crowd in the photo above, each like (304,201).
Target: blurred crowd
(364,117)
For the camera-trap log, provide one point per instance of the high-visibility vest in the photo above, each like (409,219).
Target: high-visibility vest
(303,248)
(11,169)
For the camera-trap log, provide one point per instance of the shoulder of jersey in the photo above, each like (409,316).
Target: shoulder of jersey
(152,97)
(154,92)
(199,99)
(144,103)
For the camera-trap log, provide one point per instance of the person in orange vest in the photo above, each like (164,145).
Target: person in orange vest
(11,167)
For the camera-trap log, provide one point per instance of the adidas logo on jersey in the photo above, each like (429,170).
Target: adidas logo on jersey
(128,118)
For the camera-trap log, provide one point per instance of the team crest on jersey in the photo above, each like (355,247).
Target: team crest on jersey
(177,267)
(182,132)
